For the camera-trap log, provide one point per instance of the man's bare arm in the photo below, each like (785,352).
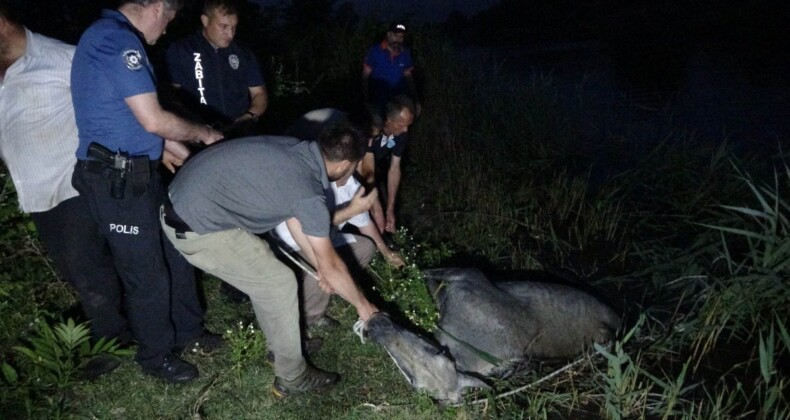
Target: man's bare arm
(174,155)
(367,171)
(358,205)
(366,168)
(333,275)
(394,258)
(334,271)
(259,101)
(295,228)
(154,119)
(393,182)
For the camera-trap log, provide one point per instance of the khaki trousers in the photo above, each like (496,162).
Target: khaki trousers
(247,263)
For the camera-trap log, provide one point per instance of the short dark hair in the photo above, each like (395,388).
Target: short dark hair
(395,106)
(364,118)
(170,4)
(230,7)
(343,142)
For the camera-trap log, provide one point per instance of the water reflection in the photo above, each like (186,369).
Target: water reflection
(644,88)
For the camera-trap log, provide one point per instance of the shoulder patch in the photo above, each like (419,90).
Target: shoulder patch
(133,58)
(233,59)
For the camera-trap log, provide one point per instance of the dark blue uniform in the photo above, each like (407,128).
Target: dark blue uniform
(217,81)
(110,64)
(383,147)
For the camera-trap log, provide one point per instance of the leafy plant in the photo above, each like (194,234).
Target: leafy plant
(246,344)
(286,84)
(406,286)
(58,353)
(754,246)
(624,392)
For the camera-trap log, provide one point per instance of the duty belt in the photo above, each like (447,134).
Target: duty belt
(96,167)
(120,169)
(174,221)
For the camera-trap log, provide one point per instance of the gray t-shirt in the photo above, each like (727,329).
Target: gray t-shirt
(253,183)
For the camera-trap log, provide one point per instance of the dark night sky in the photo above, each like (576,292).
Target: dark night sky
(428,11)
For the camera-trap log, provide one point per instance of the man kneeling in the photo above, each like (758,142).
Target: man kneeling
(347,204)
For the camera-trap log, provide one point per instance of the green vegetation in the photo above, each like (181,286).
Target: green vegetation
(689,240)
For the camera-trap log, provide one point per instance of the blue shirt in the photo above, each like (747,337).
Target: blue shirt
(218,81)
(110,64)
(387,77)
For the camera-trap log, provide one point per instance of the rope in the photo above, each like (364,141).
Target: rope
(359,326)
(359,329)
(482,354)
(305,267)
(530,385)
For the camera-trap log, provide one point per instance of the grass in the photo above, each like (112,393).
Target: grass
(689,240)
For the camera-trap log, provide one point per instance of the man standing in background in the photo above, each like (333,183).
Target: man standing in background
(219,79)
(387,70)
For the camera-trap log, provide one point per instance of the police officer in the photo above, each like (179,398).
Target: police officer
(221,79)
(121,129)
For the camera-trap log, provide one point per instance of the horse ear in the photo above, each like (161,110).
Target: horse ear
(468,381)
(463,382)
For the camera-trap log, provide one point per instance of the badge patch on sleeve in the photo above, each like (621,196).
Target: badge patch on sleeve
(133,58)
(233,59)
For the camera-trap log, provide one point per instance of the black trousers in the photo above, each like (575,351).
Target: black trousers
(161,298)
(83,259)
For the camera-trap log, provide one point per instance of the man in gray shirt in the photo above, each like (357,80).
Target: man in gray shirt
(225,196)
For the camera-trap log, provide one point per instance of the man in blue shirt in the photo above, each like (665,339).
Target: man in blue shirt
(220,79)
(387,70)
(121,130)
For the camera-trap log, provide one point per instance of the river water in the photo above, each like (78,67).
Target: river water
(708,95)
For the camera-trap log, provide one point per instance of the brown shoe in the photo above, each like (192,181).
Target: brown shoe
(310,380)
(311,347)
